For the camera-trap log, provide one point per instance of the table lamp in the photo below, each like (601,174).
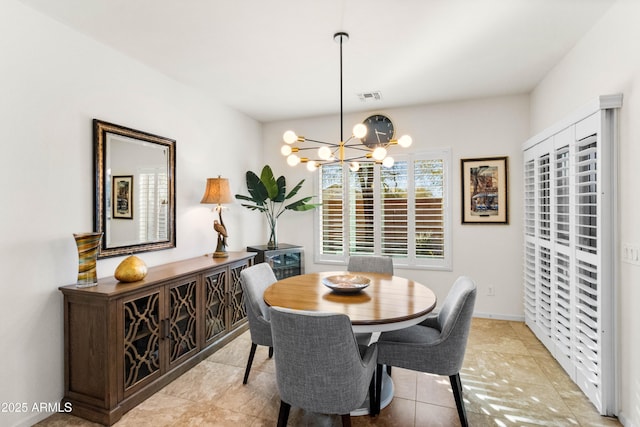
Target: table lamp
(217,192)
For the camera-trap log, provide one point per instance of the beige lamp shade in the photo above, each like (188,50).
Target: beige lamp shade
(217,191)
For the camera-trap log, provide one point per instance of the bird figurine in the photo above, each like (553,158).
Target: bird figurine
(222,234)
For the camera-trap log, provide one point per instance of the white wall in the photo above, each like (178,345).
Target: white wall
(607,60)
(491,254)
(53,83)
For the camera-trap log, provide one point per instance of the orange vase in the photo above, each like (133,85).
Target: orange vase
(88,244)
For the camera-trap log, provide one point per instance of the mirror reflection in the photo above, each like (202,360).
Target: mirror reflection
(135,191)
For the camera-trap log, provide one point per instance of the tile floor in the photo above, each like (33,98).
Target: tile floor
(509,379)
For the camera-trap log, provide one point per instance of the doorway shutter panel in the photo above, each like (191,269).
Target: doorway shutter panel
(530,299)
(569,229)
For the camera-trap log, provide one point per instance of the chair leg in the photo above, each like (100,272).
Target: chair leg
(389,370)
(270,352)
(372,394)
(249,362)
(378,393)
(283,415)
(456,385)
(346,420)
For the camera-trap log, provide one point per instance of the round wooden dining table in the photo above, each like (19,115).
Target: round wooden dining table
(387,303)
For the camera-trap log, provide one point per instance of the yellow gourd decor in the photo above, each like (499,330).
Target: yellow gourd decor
(131,269)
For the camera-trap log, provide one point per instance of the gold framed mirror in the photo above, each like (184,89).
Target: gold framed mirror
(134,190)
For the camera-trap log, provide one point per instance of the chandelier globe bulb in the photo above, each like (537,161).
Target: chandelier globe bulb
(324,153)
(405,141)
(311,165)
(379,153)
(359,130)
(290,137)
(354,166)
(388,162)
(285,150)
(293,160)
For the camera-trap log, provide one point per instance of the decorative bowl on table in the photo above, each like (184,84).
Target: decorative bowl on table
(346,283)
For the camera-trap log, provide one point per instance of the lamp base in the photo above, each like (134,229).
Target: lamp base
(217,254)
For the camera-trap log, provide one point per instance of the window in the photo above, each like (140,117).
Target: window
(153,205)
(401,212)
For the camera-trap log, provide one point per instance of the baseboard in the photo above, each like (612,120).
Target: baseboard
(499,317)
(624,420)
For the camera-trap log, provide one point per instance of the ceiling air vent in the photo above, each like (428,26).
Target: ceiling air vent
(370,96)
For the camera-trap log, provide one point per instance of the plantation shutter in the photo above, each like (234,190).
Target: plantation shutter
(568,268)
(362,211)
(331,210)
(588,346)
(395,215)
(544,248)
(530,298)
(152,205)
(544,211)
(562,326)
(401,211)
(428,194)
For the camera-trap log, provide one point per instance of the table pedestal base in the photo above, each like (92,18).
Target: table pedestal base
(386,396)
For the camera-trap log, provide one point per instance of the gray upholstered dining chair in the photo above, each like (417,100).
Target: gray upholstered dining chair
(437,345)
(319,365)
(254,281)
(371,264)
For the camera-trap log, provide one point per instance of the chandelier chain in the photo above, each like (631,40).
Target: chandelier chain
(331,152)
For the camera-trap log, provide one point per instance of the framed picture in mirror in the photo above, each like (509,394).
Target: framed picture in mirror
(122,197)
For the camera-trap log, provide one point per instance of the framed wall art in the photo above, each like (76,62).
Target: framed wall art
(122,197)
(484,190)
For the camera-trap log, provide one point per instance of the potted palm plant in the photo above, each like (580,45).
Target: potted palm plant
(269,196)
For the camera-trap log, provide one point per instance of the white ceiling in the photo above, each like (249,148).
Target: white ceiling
(276,59)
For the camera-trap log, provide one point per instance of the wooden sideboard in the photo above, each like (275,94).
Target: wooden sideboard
(125,341)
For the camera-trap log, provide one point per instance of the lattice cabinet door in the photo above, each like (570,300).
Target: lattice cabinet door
(182,320)
(215,287)
(237,311)
(141,324)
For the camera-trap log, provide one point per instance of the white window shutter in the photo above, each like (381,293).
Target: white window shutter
(402,211)
(331,210)
(568,271)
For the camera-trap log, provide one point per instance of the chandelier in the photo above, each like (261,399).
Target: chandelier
(352,150)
